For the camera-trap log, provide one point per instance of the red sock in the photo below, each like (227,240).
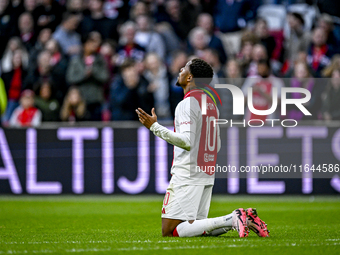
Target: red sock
(174,233)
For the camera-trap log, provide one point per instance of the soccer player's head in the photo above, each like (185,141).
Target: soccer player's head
(197,72)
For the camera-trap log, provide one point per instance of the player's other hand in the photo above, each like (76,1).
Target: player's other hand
(145,118)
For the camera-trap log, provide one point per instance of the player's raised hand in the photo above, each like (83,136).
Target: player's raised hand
(145,118)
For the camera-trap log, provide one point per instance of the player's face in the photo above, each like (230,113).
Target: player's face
(183,76)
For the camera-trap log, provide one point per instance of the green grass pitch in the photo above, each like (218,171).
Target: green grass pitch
(132,225)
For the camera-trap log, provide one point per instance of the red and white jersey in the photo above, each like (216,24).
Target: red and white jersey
(196,167)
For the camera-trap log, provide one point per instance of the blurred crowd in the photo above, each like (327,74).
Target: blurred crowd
(98,60)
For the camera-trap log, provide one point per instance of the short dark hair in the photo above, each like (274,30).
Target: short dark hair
(299,17)
(127,64)
(264,61)
(201,69)
(67,15)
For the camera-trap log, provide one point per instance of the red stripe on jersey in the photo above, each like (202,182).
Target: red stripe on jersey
(207,152)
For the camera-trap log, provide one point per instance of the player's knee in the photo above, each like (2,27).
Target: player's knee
(166,232)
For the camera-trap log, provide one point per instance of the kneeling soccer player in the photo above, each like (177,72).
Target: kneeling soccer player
(196,143)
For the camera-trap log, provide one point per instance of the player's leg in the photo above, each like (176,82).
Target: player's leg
(235,220)
(202,225)
(168,226)
(181,203)
(203,211)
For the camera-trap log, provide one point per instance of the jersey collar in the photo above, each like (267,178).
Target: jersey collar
(188,94)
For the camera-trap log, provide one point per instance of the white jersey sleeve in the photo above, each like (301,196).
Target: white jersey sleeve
(177,139)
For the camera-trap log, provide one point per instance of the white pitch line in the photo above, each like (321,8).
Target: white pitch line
(99,242)
(164,248)
(138,241)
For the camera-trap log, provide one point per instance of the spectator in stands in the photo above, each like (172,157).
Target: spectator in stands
(108,51)
(326,22)
(233,76)
(59,65)
(262,86)
(199,40)
(76,7)
(26,115)
(13,81)
(148,38)
(30,5)
(96,21)
(43,37)
(205,21)
(298,40)
(43,70)
(50,66)
(303,79)
(319,53)
(46,103)
(47,15)
(171,40)
(259,52)
(128,92)
(233,73)
(331,98)
(139,8)
(7,60)
(180,15)
(26,30)
(66,35)
(262,32)
(211,57)
(327,72)
(156,74)
(244,57)
(179,59)
(231,16)
(74,107)
(128,48)
(90,72)
(8,22)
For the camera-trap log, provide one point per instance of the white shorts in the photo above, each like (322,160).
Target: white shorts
(187,202)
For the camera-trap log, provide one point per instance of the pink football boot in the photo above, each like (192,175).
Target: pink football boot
(255,224)
(240,222)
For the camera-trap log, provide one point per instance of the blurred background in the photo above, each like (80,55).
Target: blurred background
(74,71)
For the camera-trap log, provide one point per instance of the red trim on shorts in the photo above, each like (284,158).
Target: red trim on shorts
(174,233)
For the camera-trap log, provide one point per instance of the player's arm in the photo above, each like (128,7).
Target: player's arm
(181,140)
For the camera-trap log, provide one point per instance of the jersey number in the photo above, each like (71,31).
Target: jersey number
(208,144)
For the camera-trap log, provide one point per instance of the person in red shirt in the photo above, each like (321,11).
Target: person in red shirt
(13,83)
(26,115)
